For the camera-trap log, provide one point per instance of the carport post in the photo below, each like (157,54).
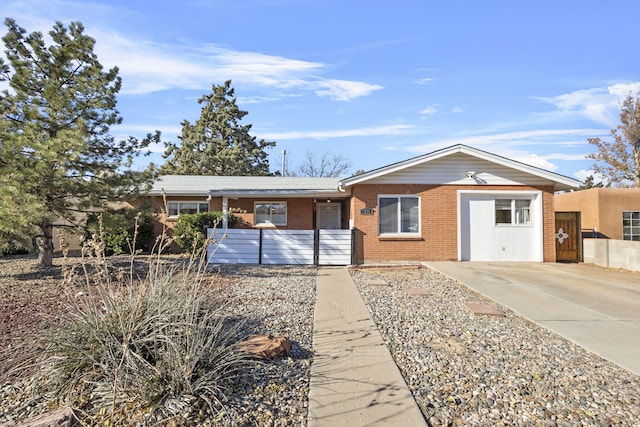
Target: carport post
(225,212)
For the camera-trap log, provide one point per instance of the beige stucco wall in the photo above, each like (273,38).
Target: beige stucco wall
(600,208)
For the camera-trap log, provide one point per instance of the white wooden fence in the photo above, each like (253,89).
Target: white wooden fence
(240,246)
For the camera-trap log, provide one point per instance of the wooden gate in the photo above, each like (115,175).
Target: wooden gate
(568,237)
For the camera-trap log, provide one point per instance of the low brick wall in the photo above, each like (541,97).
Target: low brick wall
(612,253)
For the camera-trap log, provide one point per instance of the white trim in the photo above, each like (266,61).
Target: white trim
(400,233)
(631,227)
(255,214)
(512,210)
(197,202)
(537,213)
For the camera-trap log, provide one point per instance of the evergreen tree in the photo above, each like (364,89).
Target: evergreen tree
(57,159)
(619,160)
(590,182)
(217,144)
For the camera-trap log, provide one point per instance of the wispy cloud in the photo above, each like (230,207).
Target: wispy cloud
(523,146)
(150,67)
(529,137)
(327,134)
(429,111)
(600,105)
(425,81)
(344,90)
(146,66)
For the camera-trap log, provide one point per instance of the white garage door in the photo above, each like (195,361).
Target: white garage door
(500,226)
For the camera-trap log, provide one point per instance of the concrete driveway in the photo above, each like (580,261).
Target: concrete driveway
(596,308)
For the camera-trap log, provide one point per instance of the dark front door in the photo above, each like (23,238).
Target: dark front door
(568,238)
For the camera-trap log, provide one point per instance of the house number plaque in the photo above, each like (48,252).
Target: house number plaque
(366,211)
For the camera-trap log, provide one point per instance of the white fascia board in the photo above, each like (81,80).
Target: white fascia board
(277,193)
(203,193)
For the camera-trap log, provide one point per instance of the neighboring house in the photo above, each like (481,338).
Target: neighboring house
(611,213)
(458,203)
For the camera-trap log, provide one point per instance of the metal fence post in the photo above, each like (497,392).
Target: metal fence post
(316,246)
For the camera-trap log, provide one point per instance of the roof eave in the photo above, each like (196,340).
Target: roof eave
(560,181)
(299,193)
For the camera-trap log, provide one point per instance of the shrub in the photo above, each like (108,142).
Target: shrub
(14,247)
(189,231)
(142,351)
(119,227)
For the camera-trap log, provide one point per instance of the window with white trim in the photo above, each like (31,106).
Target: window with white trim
(513,211)
(181,208)
(270,213)
(631,225)
(399,215)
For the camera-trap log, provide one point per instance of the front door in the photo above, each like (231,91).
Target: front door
(328,216)
(567,236)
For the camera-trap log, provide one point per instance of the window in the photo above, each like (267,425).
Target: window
(631,225)
(181,208)
(274,213)
(513,211)
(399,215)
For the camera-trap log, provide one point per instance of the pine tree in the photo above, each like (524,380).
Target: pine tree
(619,160)
(217,144)
(57,159)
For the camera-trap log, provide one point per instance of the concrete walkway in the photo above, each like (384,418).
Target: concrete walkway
(354,380)
(597,308)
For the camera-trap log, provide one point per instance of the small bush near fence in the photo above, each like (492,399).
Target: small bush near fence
(190,229)
(118,226)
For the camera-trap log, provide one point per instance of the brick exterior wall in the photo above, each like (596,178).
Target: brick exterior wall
(299,211)
(439,222)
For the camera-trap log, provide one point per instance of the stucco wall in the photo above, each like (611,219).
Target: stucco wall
(611,253)
(600,208)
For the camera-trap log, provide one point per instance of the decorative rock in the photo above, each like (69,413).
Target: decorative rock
(483,309)
(417,291)
(266,346)
(377,282)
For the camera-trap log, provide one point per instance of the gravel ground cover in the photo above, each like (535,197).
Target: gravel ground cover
(463,369)
(470,370)
(277,300)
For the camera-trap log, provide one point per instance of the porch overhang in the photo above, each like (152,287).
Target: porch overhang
(290,193)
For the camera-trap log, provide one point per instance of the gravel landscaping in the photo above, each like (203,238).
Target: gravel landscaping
(471,370)
(275,300)
(463,369)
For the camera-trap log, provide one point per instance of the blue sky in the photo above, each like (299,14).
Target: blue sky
(373,81)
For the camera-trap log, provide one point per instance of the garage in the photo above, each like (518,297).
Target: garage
(500,226)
